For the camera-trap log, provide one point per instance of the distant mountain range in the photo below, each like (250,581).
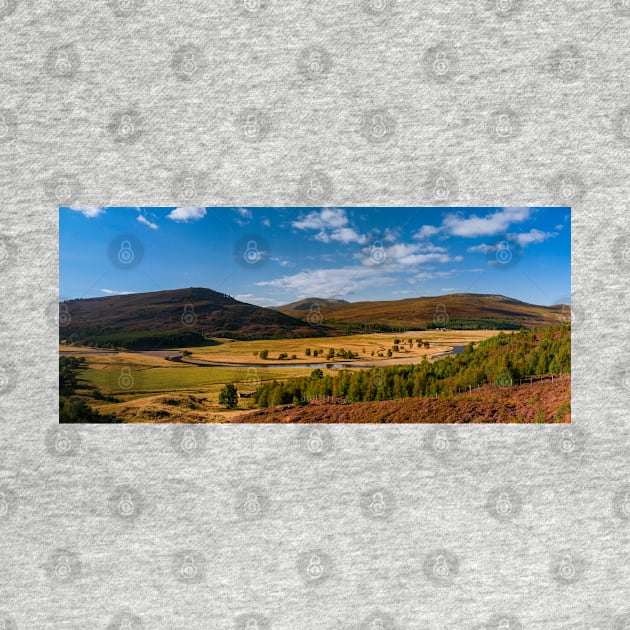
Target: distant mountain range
(455,310)
(189,316)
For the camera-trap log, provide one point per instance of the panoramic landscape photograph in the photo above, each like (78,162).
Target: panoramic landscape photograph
(315,315)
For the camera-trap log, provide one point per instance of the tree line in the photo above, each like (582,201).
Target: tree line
(498,360)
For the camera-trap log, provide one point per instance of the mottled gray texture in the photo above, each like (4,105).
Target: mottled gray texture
(506,102)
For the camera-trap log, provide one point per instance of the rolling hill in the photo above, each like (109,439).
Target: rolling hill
(458,310)
(174,318)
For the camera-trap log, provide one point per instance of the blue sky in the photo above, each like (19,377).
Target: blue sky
(272,256)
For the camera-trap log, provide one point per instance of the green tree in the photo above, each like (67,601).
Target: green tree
(317,374)
(307,352)
(228,396)
(264,354)
(331,353)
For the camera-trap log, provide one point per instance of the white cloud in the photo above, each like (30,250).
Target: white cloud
(142,219)
(187,214)
(110,292)
(338,283)
(403,255)
(266,222)
(483,248)
(426,231)
(89,211)
(533,236)
(332,224)
(473,226)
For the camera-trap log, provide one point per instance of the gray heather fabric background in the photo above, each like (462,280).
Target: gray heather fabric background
(240,103)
